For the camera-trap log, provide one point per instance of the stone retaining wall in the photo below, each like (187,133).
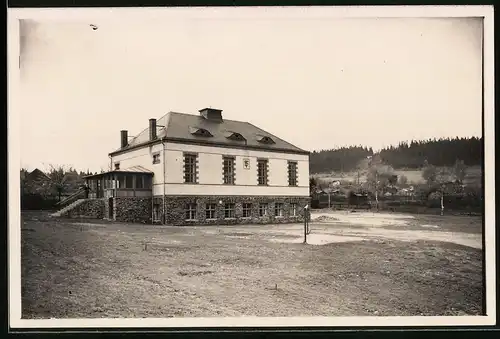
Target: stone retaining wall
(89,208)
(175,207)
(132,209)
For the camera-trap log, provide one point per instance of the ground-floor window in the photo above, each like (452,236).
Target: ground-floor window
(262,210)
(247,210)
(210,211)
(229,210)
(293,210)
(190,211)
(278,209)
(156,212)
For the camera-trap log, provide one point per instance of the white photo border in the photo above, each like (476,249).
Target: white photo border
(83,14)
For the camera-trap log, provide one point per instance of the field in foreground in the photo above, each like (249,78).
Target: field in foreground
(360,266)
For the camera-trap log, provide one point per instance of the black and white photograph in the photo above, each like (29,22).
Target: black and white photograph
(251,166)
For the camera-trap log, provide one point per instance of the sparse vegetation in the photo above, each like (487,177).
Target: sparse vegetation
(413,171)
(43,190)
(97,270)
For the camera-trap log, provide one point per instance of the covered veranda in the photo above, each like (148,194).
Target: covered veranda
(135,181)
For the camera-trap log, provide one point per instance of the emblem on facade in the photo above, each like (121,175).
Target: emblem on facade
(246,163)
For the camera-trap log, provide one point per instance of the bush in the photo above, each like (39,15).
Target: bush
(37,202)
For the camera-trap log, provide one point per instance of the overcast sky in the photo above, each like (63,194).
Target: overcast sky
(317,83)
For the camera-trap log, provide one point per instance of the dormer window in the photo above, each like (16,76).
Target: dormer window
(200,132)
(265,139)
(234,136)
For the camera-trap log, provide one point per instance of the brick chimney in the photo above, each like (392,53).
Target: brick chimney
(152,129)
(124,139)
(212,114)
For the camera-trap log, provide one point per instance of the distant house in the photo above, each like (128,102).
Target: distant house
(37,175)
(390,190)
(35,182)
(336,191)
(358,199)
(406,192)
(318,193)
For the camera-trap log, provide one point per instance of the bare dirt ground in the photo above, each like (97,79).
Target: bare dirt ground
(354,265)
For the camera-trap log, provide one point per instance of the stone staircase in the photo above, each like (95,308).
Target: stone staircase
(68,208)
(72,198)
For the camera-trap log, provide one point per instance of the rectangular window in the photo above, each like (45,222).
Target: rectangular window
(229,210)
(262,210)
(247,210)
(129,181)
(228,170)
(292,173)
(190,211)
(278,209)
(117,166)
(148,182)
(190,167)
(156,158)
(210,211)
(293,210)
(139,182)
(262,171)
(121,181)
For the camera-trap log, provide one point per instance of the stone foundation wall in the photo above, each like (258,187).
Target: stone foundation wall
(132,209)
(89,208)
(175,207)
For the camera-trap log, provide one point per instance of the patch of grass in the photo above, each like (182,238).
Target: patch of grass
(109,274)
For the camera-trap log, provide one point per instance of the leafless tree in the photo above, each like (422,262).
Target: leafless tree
(59,179)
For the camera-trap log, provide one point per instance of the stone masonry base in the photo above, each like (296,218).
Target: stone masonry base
(128,209)
(176,209)
(89,208)
(140,209)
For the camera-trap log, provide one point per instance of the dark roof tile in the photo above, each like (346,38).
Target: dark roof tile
(180,126)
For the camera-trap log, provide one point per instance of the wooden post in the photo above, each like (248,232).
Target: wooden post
(305,229)
(134,183)
(306,208)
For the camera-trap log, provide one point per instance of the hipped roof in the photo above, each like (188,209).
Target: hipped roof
(178,127)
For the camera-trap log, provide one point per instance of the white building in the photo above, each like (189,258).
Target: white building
(202,169)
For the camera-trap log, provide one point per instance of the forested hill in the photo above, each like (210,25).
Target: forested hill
(340,160)
(438,152)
